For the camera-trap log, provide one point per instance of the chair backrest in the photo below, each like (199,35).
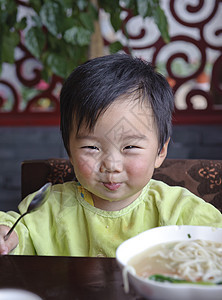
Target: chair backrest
(202,177)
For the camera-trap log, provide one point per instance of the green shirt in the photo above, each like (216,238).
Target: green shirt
(68,225)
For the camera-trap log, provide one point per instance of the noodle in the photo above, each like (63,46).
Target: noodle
(193,260)
(127,269)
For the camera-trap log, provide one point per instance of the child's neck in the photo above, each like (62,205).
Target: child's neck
(114,205)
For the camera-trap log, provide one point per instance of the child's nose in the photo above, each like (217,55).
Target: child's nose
(111,164)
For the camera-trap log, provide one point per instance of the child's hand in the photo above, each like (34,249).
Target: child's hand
(10,244)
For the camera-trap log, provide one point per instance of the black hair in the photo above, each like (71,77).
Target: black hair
(93,86)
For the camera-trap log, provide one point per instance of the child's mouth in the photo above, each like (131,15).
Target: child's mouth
(111,186)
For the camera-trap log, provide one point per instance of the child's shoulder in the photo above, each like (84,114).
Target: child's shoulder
(165,191)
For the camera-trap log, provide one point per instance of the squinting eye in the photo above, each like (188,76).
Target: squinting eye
(91,147)
(130,147)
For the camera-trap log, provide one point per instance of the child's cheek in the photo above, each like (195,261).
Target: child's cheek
(138,170)
(85,167)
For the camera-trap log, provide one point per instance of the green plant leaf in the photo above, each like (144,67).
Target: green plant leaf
(115,47)
(10,8)
(115,20)
(3,2)
(35,4)
(78,36)
(52,17)
(21,25)
(9,42)
(36,21)
(93,11)
(57,64)
(3,16)
(69,25)
(131,5)
(35,41)
(46,73)
(142,7)
(82,4)
(161,21)
(109,5)
(126,3)
(87,21)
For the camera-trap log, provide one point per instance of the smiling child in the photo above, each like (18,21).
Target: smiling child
(116,115)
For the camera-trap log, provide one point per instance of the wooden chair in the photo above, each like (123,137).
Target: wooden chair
(202,177)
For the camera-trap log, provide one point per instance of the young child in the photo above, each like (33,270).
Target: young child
(116,125)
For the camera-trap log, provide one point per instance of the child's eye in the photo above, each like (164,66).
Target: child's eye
(130,147)
(91,147)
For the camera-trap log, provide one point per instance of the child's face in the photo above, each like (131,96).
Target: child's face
(117,159)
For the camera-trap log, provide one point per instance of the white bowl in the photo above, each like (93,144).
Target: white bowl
(168,291)
(17,294)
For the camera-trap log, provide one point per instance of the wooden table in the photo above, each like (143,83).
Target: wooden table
(64,277)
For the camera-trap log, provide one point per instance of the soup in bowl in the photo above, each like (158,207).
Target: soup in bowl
(174,261)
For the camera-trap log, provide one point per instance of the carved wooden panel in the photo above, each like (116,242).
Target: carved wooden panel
(192,62)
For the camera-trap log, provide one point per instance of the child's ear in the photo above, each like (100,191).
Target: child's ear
(162,155)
